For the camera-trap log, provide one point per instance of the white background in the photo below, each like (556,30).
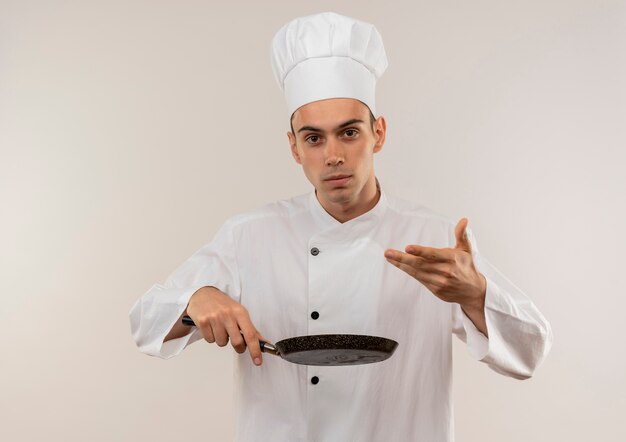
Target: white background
(130,130)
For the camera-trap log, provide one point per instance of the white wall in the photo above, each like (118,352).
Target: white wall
(129,130)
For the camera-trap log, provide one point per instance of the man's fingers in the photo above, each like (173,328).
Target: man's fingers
(435,282)
(460,231)
(251,336)
(205,328)
(207,332)
(421,259)
(399,256)
(220,334)
(236,339)
(254,348)
(430,253)
(221,319)
(444,269)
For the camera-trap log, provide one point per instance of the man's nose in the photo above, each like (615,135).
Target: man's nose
(335,153)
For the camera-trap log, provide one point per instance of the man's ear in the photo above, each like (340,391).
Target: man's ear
(380,130)
(294,148)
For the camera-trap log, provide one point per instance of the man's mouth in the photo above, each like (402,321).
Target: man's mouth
(338,180)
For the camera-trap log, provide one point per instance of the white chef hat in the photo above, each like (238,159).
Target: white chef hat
(327,55)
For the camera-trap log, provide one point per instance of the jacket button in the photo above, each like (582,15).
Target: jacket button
(315,251)
(315,380)
(315,315)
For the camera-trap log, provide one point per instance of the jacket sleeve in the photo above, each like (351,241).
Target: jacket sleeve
(519,336)
(153,315)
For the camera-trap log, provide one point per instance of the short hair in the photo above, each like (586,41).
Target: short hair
(372,120)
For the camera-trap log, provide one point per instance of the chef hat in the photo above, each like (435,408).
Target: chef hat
(327,55)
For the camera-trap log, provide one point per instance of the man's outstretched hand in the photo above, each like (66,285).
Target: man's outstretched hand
(448,273)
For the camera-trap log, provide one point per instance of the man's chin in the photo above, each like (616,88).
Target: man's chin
(340,195)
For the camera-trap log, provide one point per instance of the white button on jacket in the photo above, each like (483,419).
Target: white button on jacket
(266,259)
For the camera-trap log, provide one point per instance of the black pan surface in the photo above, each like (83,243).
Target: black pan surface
(336,349)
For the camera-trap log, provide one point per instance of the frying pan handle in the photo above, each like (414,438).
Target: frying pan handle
(266,347)
(188,321)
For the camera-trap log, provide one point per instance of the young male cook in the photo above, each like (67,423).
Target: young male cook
(344,258)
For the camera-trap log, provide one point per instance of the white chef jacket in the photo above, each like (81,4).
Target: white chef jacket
(263,260)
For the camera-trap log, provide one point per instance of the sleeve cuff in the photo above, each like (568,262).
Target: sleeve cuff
(149,330)
(174,346)
(477,343)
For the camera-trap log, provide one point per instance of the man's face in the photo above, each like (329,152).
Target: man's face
(335,143)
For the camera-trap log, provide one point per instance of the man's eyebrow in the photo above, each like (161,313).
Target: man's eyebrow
(341,126)
(349,122)
(311,128)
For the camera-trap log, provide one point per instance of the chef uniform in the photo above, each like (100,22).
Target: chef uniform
(299,271)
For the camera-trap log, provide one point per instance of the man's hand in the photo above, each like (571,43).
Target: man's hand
(449,274)
(219,319)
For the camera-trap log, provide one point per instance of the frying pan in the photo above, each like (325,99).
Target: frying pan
(328,349)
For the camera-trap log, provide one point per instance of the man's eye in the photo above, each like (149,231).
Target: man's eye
(351,133)
(313,139)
